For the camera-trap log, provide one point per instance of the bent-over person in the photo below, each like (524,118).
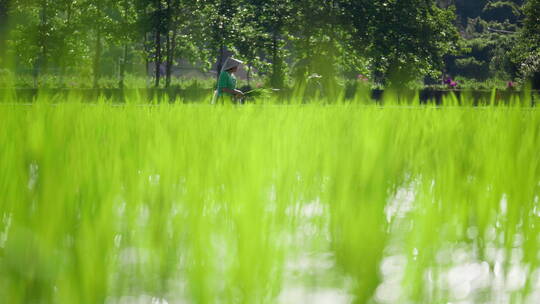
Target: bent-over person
(227,81)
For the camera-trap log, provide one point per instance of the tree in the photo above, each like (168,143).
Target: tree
(4,7)
(34,38)
(330,38)
(183,24)
(405,39)
(153,23)
(171,10)
(220,29)
(158,16)
(274,18)
(527,51)
(469,9)
(322,45)
(126,32)
(531,25)
(249,42)
(489,35)
(98,19)
(314,30)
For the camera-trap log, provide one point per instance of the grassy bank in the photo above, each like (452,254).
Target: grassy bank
(268,204)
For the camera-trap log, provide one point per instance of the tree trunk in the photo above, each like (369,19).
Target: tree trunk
(4,7)
(220,60)
(249,75)
(170,56)
(168,60)
(123,65)
(158,58)
(40,66)
(97,58)
(147,60)
(64,50)
(98,48)
(168,46)
(277,77)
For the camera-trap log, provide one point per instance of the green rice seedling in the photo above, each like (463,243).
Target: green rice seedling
(268,202)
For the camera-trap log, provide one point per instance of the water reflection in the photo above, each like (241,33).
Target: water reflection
(459,271)
(142,299)
(310,270)
(319,295)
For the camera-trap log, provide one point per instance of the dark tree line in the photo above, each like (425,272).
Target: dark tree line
(495,39)
(405,40)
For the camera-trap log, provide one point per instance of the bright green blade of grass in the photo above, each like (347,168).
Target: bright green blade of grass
(192,203)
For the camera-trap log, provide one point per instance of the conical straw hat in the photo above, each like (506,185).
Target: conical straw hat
(231,63)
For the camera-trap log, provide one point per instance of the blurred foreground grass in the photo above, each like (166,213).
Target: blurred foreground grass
(268,204)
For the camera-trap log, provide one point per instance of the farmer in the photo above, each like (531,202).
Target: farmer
(227,82)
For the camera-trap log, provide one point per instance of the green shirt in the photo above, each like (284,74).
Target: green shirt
(226,80)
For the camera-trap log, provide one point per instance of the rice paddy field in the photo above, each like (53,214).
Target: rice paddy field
(268,203)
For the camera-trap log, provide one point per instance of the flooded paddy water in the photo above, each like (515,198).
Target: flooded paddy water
(266,204)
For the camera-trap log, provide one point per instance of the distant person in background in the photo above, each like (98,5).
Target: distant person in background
(227,82)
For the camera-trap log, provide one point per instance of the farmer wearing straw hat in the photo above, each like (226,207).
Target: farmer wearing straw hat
(227,82)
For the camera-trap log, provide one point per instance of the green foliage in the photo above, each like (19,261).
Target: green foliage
(405,39)
(489,39)
(502,11)
(469,9)
(282,40)
(532,21)
(527,52)
(4,9)
(274,18)
(221,26)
